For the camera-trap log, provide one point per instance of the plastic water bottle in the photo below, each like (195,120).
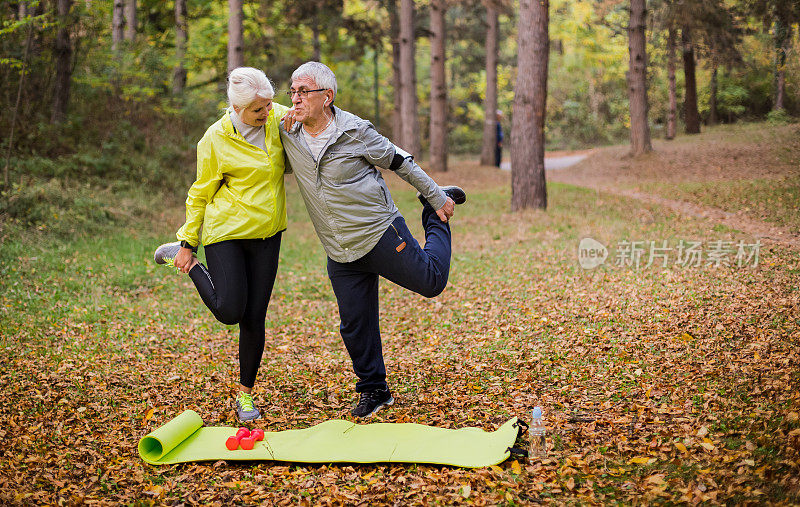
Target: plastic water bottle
(537,435)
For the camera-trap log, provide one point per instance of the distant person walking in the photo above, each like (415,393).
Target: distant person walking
(498,147)
(334,155)
(239,201)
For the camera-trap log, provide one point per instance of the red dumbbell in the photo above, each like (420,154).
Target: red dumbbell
(247,443)
(257,434)
(232,443)
(242,432)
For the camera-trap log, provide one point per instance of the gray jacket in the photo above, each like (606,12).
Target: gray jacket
(345,195)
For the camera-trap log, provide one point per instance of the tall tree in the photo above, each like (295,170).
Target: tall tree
(181,36)
(409,138)
(23,14)
(235,35)
(322,17)
(315,30)
(130,20)
(528,188)
(709,30)
(394,30)
(783,40)
(438,134)
(637,79)
(672,112)
(713,117)
(117,23)
(691,116)
(490,100)
(62,53)
(781,15)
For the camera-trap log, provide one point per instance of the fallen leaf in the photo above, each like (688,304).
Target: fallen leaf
(154,490)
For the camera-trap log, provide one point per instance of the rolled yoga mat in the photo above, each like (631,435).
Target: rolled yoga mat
(184,438)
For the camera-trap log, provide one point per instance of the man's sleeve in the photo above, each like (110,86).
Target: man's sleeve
(382,153)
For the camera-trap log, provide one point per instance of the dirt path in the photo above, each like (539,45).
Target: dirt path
(608,170)
(757,228)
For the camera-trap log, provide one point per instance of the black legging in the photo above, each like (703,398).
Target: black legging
(236,287)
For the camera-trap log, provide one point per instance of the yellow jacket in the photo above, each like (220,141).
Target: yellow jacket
(239,192)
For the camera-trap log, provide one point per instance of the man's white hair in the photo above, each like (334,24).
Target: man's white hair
(247,83)
(319,73)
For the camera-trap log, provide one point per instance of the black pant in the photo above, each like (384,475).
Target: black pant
(236,287)
(424,271)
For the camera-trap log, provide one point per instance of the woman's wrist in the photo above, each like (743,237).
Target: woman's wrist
(188,246)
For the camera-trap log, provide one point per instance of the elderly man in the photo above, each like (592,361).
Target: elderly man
(333,154)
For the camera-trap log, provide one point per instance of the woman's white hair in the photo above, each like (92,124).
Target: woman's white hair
(247,83)
(320,73)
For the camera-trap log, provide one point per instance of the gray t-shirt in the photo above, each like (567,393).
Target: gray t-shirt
(315,144)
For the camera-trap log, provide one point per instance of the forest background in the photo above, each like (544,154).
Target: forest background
(140,93)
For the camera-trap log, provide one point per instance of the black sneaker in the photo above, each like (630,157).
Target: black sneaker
(455,193)
(372,401)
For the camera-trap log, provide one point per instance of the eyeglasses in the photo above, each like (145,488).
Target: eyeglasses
(303,93)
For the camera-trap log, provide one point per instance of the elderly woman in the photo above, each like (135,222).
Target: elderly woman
(239,201)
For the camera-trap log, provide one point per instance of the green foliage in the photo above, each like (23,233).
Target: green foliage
(731,98)
(779,117)
(53,207)
(587,95)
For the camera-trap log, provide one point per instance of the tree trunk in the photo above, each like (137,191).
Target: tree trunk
(117,23)
(20,85)
(637,79)
(690,113)
(130,20)
(672,112)
(315,29)
(235,35)
(490,101)
(528,188)
(595,99)
(62,53)
(376,85)
(181,36)
(397,118)
(417,128)
(409,139)
(438,145)
(712,100)
(783,37)
(22,10)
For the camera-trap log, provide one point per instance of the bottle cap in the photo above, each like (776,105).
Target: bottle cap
(537,412)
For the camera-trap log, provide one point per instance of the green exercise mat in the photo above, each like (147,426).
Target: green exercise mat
(186,439)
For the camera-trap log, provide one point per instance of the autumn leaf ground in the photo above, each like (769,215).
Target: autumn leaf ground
(659,385)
